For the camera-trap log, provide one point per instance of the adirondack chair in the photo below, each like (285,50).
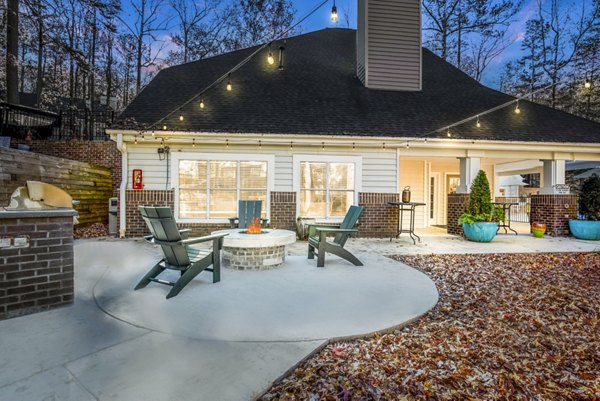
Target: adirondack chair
(248,211)
(318,241)
(178,254)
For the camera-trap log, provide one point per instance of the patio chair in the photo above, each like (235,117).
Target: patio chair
(248,210)
(178,253)
(317,240)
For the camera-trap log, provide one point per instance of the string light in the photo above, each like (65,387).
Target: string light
(193,142)
(478,124)
(291,145)
(322,145)
(448,134)
(202,103)
(164,127)
(383,146)
(259,144)
(152,133)
(353,146)
(227,143)
(270,58)
(229,87)
(517,109)
(135,141)
(181,117)
(425,140)
(334,14)
(142,136)
(407,145)
(281,49)
(587,84)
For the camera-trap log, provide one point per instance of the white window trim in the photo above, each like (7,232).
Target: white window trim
(178,156)
(297,159)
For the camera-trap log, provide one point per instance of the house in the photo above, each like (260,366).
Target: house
(351,117)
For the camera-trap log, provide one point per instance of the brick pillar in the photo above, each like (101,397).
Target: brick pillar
(555,211)
(457,205)
(378,220)
(36,260)
(283,210)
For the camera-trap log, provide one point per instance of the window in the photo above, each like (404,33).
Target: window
(210,189)
(326,188)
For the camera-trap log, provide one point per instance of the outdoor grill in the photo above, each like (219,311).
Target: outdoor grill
(40,195)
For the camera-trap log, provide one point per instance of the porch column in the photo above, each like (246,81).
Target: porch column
(554,174)
(469,167)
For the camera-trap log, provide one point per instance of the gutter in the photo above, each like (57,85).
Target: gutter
(122,188)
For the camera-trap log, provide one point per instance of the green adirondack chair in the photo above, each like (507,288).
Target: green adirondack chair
(248,210)
(178,253)
(317,240)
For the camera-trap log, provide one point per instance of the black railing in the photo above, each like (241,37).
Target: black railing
(84,124)
(22,122)
(522,208)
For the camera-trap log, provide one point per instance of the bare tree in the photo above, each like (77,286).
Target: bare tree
(483,52)
(12,51)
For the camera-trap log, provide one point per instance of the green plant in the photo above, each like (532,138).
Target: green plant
(589,200)
(480,208)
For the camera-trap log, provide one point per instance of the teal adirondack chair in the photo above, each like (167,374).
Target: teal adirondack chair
(248,210)
(178,254)
(317,240)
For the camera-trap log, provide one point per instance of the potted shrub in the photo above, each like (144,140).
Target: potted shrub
(589,209)
(480,222)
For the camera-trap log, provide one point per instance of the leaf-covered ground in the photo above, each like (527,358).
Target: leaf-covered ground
(507,327)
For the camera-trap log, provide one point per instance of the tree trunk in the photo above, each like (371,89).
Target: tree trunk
(109,66)
(12,52)
(140,45)
(39,84)
(22,77)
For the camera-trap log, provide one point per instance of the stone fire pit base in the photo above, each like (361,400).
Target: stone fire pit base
(255,251)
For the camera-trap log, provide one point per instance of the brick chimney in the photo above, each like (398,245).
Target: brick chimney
(389,44)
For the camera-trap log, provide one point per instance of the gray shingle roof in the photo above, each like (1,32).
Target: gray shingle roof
(318,93)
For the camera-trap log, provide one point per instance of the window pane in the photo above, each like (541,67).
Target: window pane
(341,175)
(256,195)
(192,173)
(253,175)
(340,202)
(223,174)
(313,175)
(223,203)
(192,203)
(312,204)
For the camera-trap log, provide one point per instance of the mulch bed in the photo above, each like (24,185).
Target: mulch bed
(94,230)
(507,327)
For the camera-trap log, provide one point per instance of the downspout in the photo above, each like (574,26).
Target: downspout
(123,187)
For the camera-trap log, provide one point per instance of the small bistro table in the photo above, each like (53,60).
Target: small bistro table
(505,206)
(410,208)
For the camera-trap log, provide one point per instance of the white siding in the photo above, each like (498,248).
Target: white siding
(378,167)
(412,173)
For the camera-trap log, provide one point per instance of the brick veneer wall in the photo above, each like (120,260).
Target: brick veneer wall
(378,220)
(555,211)
(457,205)
(283,210)
(102,153)
(38,276)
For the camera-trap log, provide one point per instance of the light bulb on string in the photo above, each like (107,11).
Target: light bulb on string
(334,14)
(478,124)
(152,133)
(517,109)
(425,140)
(448,134)
(164,127)
(291,145)
(407,145)
(227,143)
(259,144)
(587,84)
(383,146)
(135,140)
(353,146)
(322,145)
(270,58)
(181,117)
(229,87)
(142,136)
(201,103)
(193,142)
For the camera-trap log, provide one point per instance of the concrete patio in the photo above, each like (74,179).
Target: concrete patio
(225,341)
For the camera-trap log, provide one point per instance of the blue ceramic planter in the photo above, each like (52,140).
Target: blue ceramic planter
(481,231)
(585,229)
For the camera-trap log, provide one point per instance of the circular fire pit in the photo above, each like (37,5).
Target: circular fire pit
(243,251)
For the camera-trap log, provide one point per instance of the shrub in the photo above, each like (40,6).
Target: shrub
(589,200)
(480,203)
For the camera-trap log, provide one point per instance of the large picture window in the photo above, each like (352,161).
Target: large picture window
(210,189)
(326,188)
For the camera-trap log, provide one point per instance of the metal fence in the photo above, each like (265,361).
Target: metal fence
(84,124)
(21,122)
(521,210)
